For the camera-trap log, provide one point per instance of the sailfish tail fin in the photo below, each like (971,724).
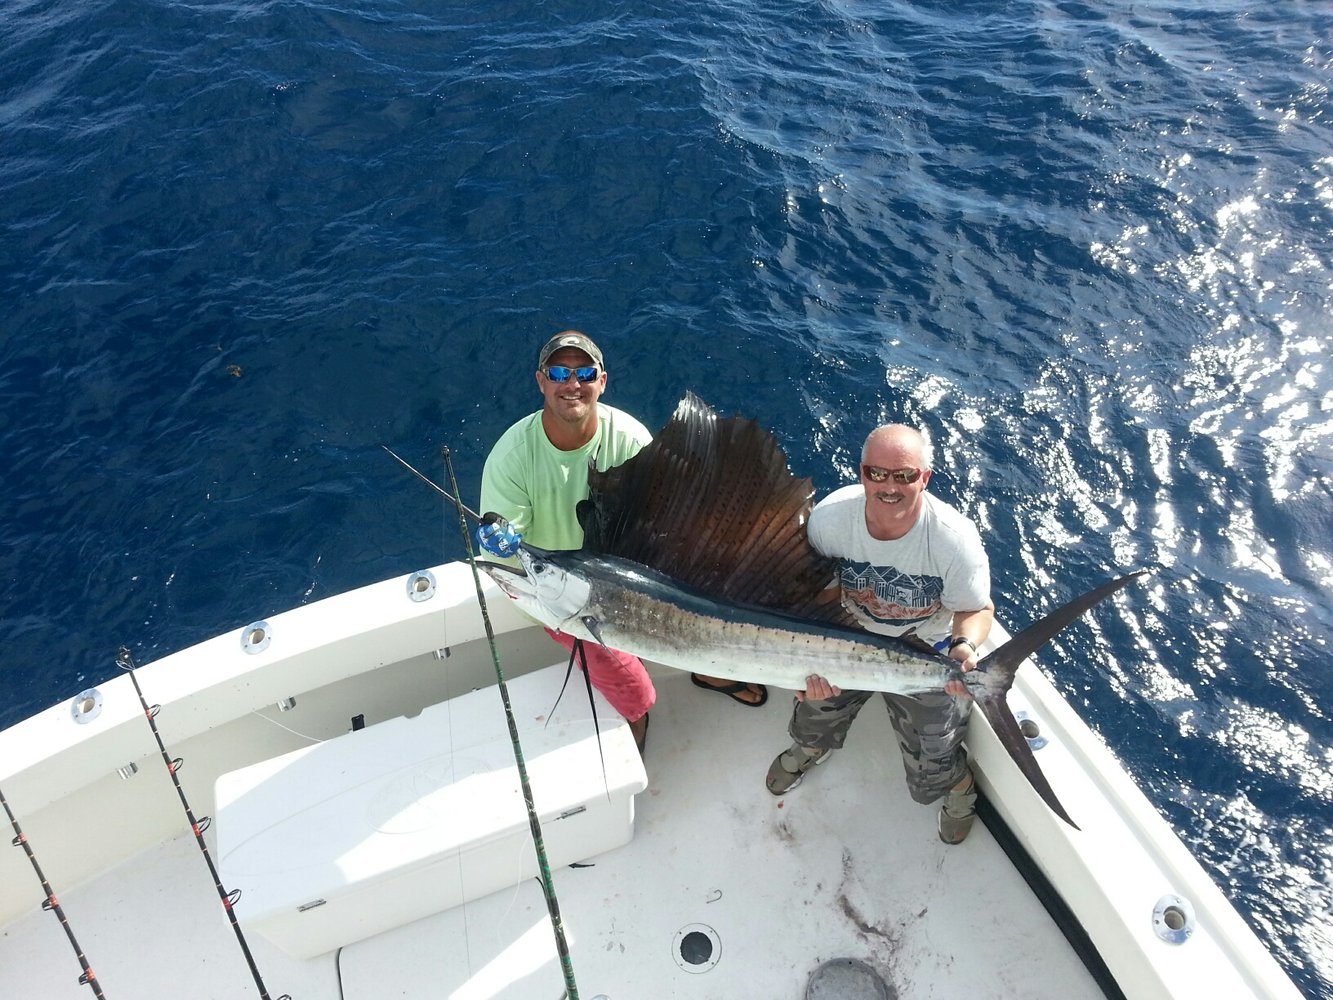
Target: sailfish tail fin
(995,706)
(994,676)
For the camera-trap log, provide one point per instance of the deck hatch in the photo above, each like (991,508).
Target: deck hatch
(847,979)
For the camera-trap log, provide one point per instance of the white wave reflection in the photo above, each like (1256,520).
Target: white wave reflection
(1323,187)
(1251,550)
(1268,744)
(1295,875)
(1119,256)
(1235,212)
(1151,673)
(1249,379)
(1321,568)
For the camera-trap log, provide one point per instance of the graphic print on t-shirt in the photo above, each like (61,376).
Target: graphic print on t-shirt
(888,597)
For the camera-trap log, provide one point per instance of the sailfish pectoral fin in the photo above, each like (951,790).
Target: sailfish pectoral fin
(592,706)
(594,628)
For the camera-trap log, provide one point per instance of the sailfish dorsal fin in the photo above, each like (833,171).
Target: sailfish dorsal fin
(711,504)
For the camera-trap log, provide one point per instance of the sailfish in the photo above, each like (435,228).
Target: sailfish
(695,556)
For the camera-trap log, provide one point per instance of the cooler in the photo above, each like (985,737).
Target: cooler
(345,839)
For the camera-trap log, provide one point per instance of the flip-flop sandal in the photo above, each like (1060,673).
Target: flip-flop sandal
(733,691)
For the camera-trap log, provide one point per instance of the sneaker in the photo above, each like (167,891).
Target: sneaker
(789,767)
(958,812)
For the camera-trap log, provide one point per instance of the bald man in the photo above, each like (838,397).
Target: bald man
(912,566)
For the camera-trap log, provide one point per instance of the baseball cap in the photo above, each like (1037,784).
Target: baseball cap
(571,338)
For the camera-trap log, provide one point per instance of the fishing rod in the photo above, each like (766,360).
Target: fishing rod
(126,662)
(534,822)
(576,652)
(50,902)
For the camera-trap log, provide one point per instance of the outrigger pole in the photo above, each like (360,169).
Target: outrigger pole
(462,507)
(126,662)
(50,902)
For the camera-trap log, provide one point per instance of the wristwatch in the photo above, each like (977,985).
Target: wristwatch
(958,640)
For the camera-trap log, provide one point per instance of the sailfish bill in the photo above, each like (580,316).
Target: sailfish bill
(696,557)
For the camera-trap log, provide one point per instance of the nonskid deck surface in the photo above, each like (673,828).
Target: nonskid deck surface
(844,866)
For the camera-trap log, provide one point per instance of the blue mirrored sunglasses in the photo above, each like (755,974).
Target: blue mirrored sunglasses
(559,373)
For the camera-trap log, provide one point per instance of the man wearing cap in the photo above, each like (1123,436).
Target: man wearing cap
(538,472)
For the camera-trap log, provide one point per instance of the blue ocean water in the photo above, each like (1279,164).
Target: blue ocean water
(1088,246)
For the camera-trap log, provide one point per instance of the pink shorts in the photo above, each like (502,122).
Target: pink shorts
(622,678)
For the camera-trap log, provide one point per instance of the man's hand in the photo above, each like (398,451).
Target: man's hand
(966,655)
(817,689)
(498,537)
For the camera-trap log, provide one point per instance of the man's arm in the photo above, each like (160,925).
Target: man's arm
(506,497)
(504,492)
(974,626)
(504,479)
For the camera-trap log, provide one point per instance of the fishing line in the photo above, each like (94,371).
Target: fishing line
(275,722)
(464,508)
(534,823)
(50,902)
(126,662)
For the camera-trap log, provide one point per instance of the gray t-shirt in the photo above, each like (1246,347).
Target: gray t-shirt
(909,584)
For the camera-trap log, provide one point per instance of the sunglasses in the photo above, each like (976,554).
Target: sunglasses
(903,477)
(559,373)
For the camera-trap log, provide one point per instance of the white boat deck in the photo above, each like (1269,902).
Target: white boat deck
(844,866)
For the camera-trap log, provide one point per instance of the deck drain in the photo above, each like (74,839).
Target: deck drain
(1031,730)
(696,948)
(848,979)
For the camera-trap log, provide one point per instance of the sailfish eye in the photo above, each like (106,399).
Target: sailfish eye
(539,567)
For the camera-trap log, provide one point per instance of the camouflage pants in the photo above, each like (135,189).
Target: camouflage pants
(930,729)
